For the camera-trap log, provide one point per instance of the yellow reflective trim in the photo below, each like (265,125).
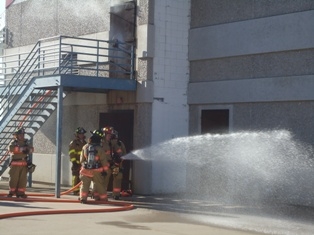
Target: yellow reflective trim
(75,152)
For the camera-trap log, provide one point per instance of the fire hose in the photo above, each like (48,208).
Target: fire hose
(44,197)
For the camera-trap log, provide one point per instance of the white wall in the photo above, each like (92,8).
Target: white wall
(170,79)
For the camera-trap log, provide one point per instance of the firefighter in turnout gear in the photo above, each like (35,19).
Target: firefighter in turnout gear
(118,149)
(20,164)
(107,147)
(115,149)
(94,167)
(75,149)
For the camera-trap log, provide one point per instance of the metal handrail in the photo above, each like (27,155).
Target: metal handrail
(20,104)
(87,56)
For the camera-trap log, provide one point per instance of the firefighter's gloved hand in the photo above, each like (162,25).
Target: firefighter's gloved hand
(115,171)
(31,167)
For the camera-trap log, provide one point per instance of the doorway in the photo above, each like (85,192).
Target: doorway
(215,121)
(122,121)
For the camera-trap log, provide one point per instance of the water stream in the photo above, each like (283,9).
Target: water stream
(243,167)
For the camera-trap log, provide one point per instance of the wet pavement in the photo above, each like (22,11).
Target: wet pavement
(151,215)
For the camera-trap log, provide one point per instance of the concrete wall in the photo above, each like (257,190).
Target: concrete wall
(251,52)
(215,12)
(254,58)
(170,78)
(32,20)
(163,72)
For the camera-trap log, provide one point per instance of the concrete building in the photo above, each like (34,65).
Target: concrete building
(202,66)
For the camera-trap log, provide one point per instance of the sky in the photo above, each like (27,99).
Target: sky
(2,9)
(2,6)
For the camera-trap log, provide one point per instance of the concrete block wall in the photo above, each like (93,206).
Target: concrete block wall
(171,69)
(254,58)
(251,56)
(31,20)
(163,74)
(170,78)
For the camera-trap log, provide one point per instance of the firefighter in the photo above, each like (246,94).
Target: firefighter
(115,149)
(107,147)
(94,166)
(119,150)
(75,149)
(20,149)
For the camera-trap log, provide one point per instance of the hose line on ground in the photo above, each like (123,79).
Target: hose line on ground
(40,197)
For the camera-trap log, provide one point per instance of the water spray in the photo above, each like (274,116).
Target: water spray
(236,168)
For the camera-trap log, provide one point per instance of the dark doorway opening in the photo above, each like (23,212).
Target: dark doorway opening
(215,121)
(122,121)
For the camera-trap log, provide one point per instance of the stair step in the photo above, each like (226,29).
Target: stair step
(31,107)
(33,113)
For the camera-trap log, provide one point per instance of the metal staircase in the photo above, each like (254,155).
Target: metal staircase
(24,103)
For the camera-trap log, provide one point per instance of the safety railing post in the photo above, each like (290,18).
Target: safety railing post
(19,60)
(97,60)
(132,63)
(43,64)
(71,59)
(39,51)
(59,62)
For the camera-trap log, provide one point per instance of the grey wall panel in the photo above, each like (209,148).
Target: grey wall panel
(257,90)
(277,33)
(297,117)
(32,20)
(212,12)
(145,12)
(142,170)
(278,64)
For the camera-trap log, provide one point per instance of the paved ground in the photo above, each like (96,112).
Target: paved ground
(152,215)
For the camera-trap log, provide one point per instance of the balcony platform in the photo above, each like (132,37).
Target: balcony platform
(84,83)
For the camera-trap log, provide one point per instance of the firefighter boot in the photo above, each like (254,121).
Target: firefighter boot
(83,200)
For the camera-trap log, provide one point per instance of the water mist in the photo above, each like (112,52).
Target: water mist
(237,168)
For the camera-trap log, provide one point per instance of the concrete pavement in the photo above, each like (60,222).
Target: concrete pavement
(152,215)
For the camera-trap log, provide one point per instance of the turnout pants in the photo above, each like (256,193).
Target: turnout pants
(98,181)
(17,180)
(116,181)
